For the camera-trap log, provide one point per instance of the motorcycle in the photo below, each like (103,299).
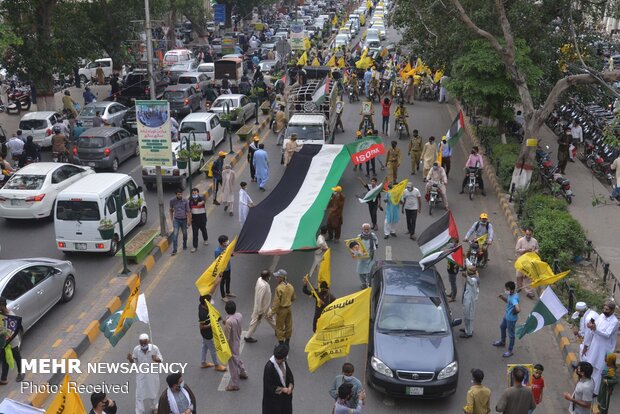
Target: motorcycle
(550,176)
(599,167)
(19,99)
(476,254)
(352,96)
(472,183)
(372,94)
(433,197)
(60,157)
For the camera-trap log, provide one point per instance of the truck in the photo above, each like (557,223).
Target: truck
(89,71)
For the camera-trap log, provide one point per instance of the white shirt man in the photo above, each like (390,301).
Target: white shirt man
(147,384)
(245,202)
(15,146)
(411,201)
(585,315)
(603,341)
(262,303)
(576,131)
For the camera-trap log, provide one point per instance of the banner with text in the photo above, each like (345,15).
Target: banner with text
(154,133)
(365,149)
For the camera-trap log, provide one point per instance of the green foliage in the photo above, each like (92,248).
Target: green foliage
(505,155)
(593,297)
(540,202)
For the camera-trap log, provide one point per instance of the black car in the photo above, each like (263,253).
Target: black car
(183,99)
(136,86)
(411,350)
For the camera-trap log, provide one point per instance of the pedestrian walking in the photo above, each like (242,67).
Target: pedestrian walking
(583,395)
(100,75)
(385,114)
(324,298)
(373,205)
(525,244)
(564,142)
(391,216)
(181,217)
(609,381)
(364,266)
(478,396)
(322,247)
(603,341)
(411,202)
(392,161)
(281,307)
(291,147)
(15,345)
(251,150)
(228,184)
(446,154)
(509,321)
(102,404)
(278,383)
(538,384)
(470,296)
(281,121)
(343,402)
(216,171)
(415,151)
(198,218)
(147,384)
(206,332)
(347,378)
(516,399)
(232,330)
(262,300)
(225,284)
(335,208)
(261,164)
(178,398)
(429,156)
(584,314)
(245,202)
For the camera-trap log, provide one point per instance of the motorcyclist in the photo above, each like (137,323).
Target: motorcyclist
(401,115)
(437,175)
(60,142)
(474,161)
(354,84)
(68,104)
(210,94)
(88,96)
(31,150)
(77,130)
(367,111)
(479,229)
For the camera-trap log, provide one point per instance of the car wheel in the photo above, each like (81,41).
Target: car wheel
(113,246)
(115,165)
(143,217)
(68,289)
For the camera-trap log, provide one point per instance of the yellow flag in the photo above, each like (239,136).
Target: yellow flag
(396,193)
(549,280)
(335,20)
(315,62)
(303,59)
(332,61)
(440,153)
(343,323)
(307,44)
(419,63)
(324,268)
(130,307)
(222,349)
(312,290)
(538,271)
(384,52)
(341,63)
(407,68)
(206,281)
(67,400)
(482,239)
(364,53)
(438,76)
(364,63)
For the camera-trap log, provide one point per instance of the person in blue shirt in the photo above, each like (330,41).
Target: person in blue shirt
(509,322)
(367,80)
(88,96)
(446,154)
(225,284)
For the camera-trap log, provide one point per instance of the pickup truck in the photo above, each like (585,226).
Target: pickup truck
(89,71)
(136,86)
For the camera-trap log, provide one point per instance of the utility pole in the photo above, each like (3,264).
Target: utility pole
(153,92)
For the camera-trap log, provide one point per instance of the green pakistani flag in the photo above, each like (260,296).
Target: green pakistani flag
(372,194)
(109,326)
(547,311)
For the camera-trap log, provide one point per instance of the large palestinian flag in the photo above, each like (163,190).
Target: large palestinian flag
(436,237)
(288,219)
(456,129)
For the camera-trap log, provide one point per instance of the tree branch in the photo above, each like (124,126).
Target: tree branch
(508,51)
(473,27)
(422,21)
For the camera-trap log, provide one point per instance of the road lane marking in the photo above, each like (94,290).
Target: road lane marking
(388,252)
(226,377)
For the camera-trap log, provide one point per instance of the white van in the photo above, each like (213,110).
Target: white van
(81,206)
(208,132)
(173,57)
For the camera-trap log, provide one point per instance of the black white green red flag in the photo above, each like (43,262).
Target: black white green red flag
(438,235)
(456,129)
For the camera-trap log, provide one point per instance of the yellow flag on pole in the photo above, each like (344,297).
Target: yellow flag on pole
(335,20)
(67,400)
(341,63)
(439,153)
(307,44)
(324,268)
(343,323)
(206,281)
(407,68)
(538,271)
(396,193)
(482,239)
(222,349)
(303,59)
(438,76)
(332,61)
(315,62)
(130,307)
(312,290)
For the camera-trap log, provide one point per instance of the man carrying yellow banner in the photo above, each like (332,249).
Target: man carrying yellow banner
(68,401)
(525,244)
(539,272)
(303,59)
(343,323)
(130,307)
(396,193)
(219,339)
(323,298)
(208,278)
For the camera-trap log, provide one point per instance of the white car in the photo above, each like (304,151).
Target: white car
(208,69)
(381,28)
(235,101)
(32,190)
(39,125)
(341,40)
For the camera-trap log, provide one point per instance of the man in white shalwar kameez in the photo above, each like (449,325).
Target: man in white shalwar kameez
(228,192)
(147,384)
(470,296)
(604,336)
(262,304)
(245,202)
(585,314)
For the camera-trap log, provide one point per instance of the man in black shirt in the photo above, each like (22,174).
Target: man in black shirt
(207,337)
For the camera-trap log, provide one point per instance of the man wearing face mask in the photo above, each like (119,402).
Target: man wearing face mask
(347,378)
(392,161)
(603,341)
(198,218)
(181,217)
(102,404)
(147,384)
(524,245)
(429,155)
(178,398)
(474,161)
(437,175)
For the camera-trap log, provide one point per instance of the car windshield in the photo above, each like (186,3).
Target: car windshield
(374,44)
(33,124)
(187,127)
(91,142)
(92,110)
(77,210)
(205,68)
(306,132)
(173,95)
(25,182)
(219,103)
(171,58)
(412,314)
(135,79)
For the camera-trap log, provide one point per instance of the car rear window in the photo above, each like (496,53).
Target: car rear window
(171,58)
(187,80)
(71,210)
(25,182)
(173,95)
(91,142)
(193,127)
(92,110)
(33,124)
(219,103)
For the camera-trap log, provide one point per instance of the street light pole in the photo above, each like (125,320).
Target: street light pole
(227,111)
(119,217)
(188,141)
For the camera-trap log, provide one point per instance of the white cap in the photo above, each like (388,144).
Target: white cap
(143,337)
(581,306)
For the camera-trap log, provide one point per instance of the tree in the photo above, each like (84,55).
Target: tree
(544,24)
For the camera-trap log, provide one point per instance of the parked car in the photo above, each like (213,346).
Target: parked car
(235,101)
(178,69)
(204,128)
(411,349)
(172,175)
(89,71)
(39,125)
(183,99)
(267,66)
(31,191)
(208,69)
(136,85)
(33,286)
(111,112)
(199,80)
(105,147)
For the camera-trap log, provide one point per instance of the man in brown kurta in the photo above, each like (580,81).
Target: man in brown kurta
(334,213)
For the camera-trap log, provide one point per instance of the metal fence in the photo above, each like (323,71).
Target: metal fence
(601,268)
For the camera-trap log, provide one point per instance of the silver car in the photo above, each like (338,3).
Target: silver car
(235,101)
(112,113)
(178,69)
(33,286)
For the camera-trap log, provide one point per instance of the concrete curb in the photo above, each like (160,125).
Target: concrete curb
(114,296)
(570,350)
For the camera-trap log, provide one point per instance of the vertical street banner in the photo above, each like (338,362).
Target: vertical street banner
(219,13)
(365,149)
(297,35)
(153,119)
